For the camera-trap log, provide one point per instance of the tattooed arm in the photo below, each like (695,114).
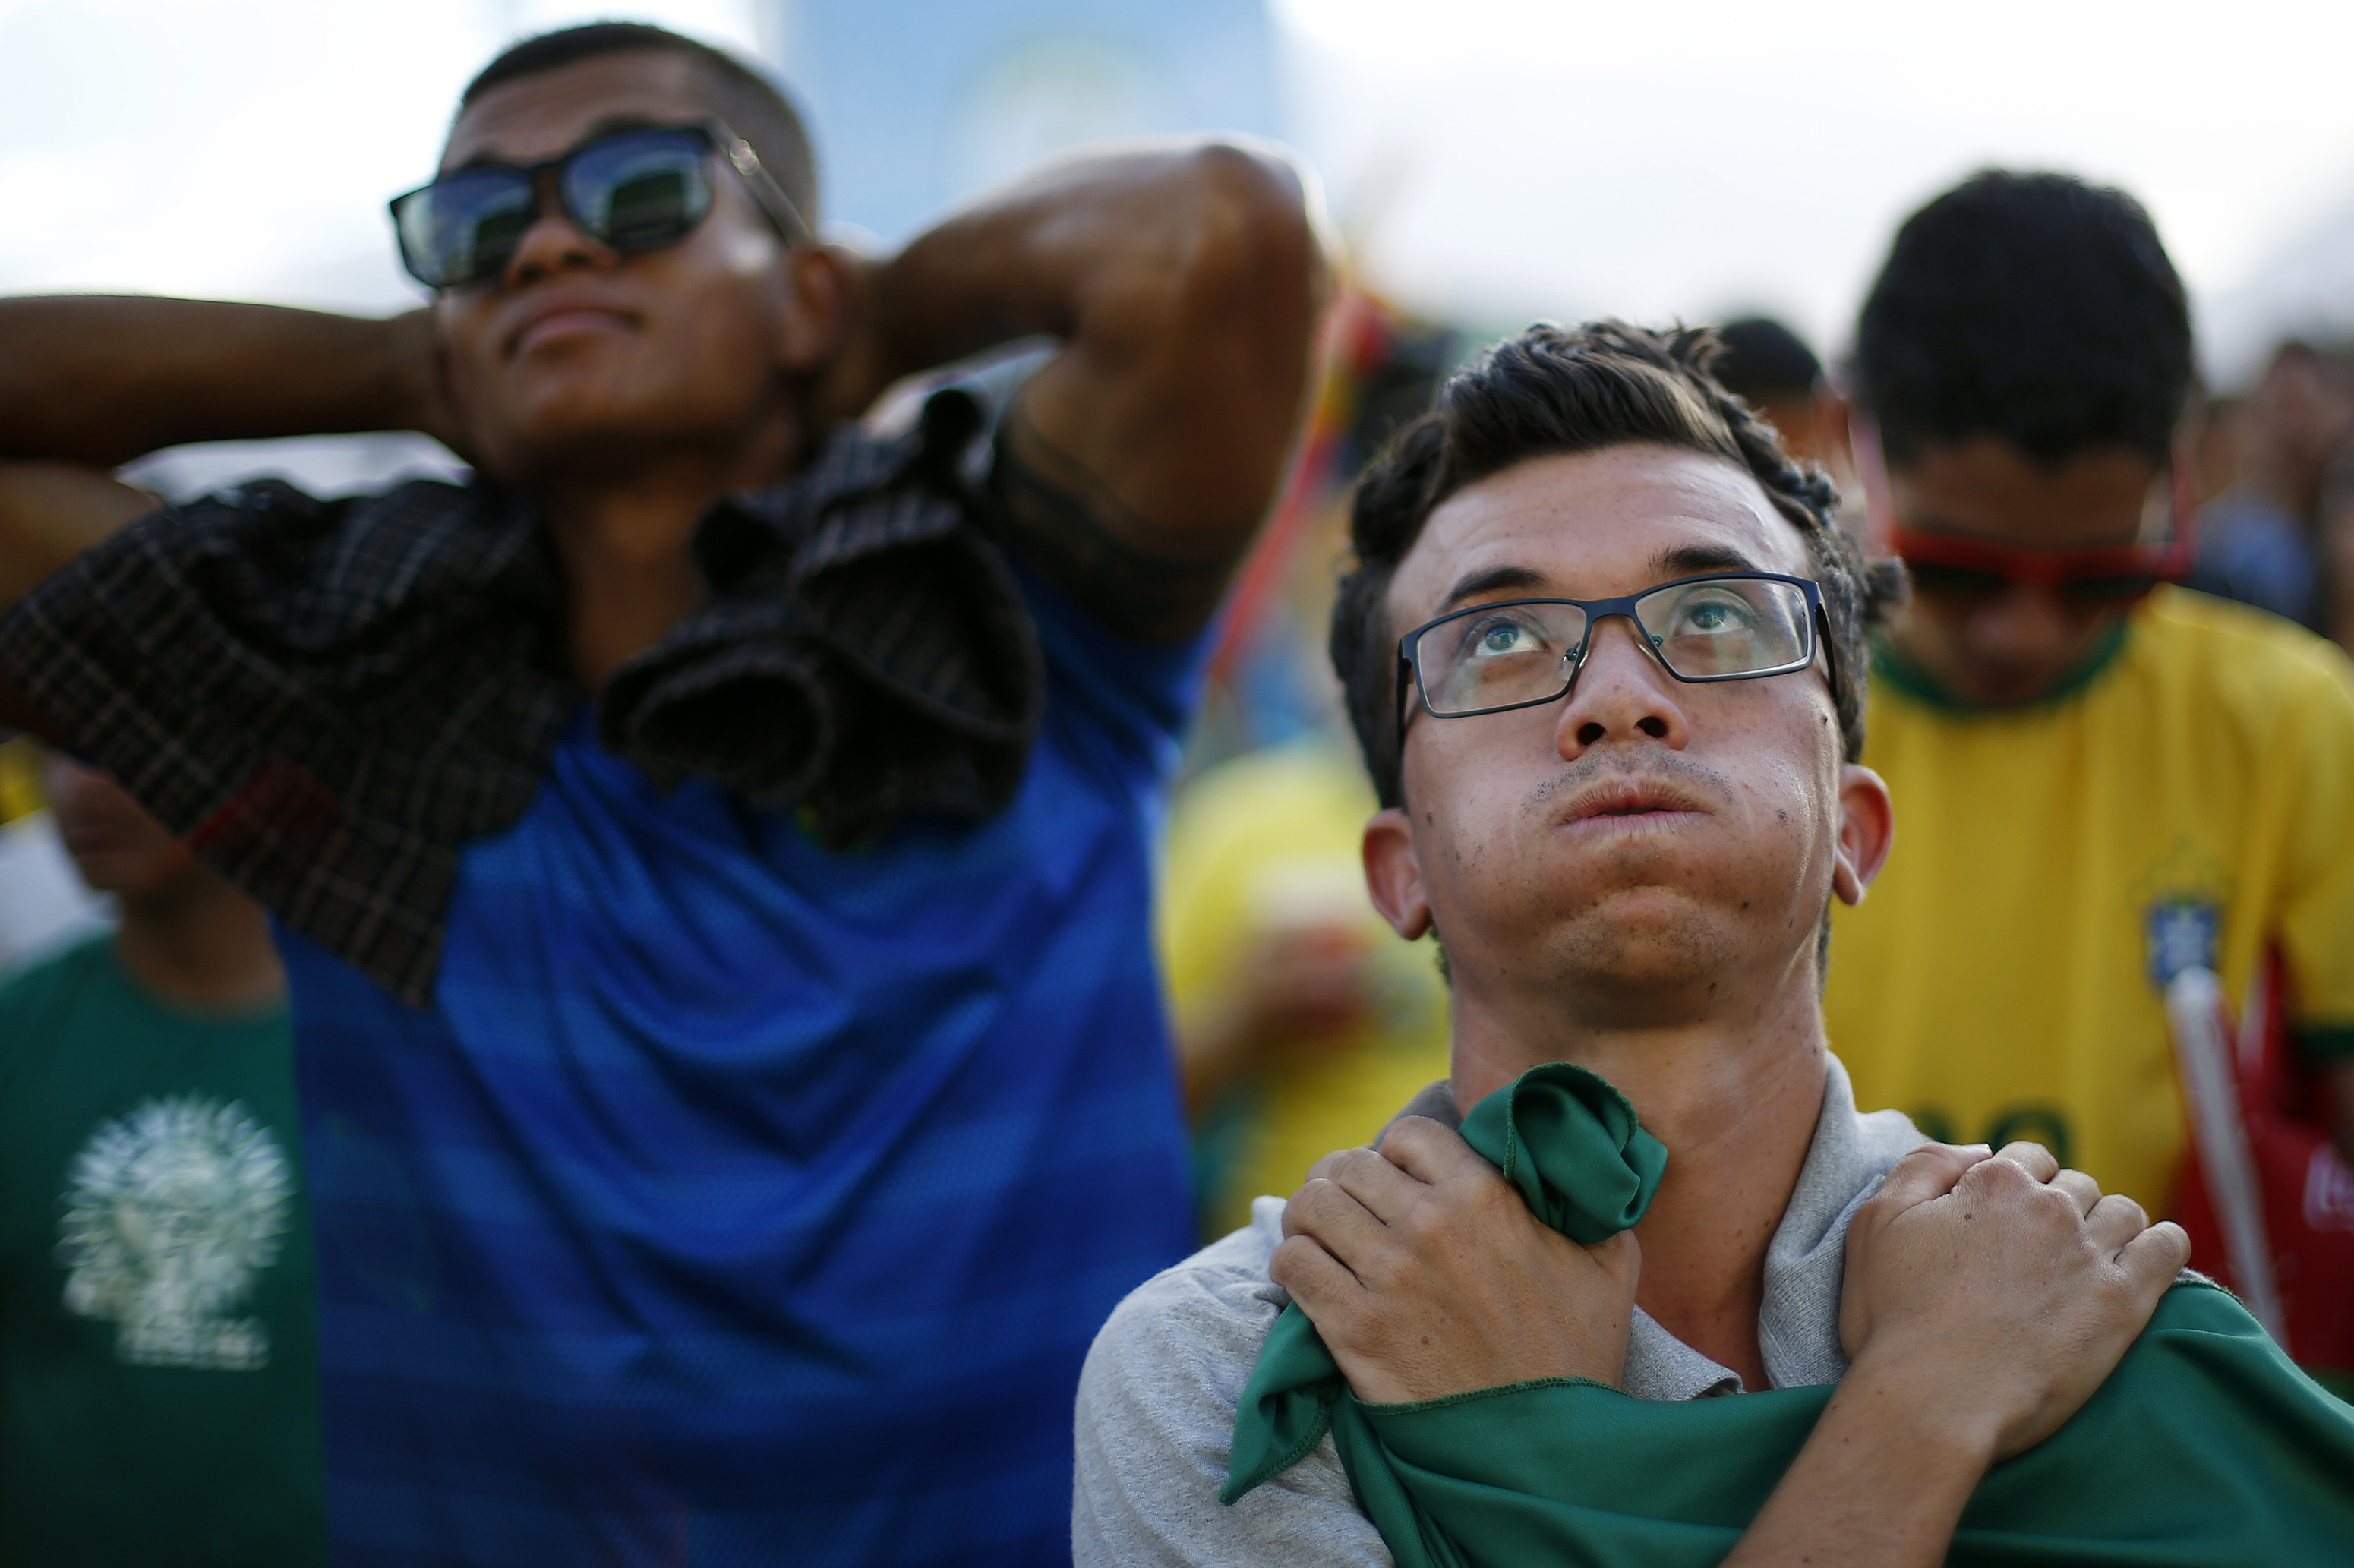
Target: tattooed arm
(1149,583)
(1185,284)
(90,383)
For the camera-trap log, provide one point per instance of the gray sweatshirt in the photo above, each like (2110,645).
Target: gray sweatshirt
(1156,1410)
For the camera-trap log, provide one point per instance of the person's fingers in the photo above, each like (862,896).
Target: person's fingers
(2153,1258)
(2082,1190)
(1320,1282)
(1429,1152)
(1929,1172)
(1322,1168)
(2115,1219)
(1324,1210)
(1369,1177)
(2031,1158)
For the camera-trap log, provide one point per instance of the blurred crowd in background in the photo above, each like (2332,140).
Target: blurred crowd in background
(1301,1023)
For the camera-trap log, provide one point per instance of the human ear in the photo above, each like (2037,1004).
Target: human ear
(1867,829)
(1394,873)
(817,307)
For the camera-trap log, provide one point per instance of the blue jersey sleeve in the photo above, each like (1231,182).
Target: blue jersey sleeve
(1128,703)
(1125,703)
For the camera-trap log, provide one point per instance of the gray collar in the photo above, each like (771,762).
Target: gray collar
(1797,1322)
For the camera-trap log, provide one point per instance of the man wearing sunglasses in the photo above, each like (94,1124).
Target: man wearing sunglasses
(709,849)
(1604,650)
(2104,778)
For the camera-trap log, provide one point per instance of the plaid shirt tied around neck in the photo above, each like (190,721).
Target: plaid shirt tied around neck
(329,700)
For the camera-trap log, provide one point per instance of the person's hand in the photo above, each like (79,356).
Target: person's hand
(1296,989)
(2000,1290)
(1428,1275)
(1303,986)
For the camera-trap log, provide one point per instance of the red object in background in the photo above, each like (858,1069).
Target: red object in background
(2303,1189)
(1358,330)
(2050,569)
(2170,528)
(2169,524)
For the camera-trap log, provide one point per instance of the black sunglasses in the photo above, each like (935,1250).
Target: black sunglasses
(633,190)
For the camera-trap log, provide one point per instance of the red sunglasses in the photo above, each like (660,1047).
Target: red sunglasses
(1961,566)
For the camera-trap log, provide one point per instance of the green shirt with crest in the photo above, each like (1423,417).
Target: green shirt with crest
(159,1401)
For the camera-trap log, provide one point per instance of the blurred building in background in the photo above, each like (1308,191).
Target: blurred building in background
(919,103)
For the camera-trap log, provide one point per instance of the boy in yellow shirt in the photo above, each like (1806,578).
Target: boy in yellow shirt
(2102,779)
(1303,1024)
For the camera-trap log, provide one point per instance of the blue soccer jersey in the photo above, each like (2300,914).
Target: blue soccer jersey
(741,1202)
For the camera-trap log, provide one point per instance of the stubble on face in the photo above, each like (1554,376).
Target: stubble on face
(1638,928)
(1716,874)
(1654,928)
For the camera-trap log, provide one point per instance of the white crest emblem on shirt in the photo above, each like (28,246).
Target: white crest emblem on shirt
(170,1212)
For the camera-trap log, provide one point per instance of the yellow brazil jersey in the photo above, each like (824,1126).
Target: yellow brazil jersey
(2191,802)
(1265,840)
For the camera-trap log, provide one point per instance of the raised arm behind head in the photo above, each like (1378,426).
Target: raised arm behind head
(88,383)
(625,385)
(1186,281)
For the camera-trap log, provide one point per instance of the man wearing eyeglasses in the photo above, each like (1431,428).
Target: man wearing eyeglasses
(1604,650)
(709,849)
(2105,779)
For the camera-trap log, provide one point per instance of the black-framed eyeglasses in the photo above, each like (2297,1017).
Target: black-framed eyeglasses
(1520,652)
(632,190)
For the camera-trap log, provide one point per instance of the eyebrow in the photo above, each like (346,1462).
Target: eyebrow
(1693,560)
(1680,561)
(605,125)
(1489,581)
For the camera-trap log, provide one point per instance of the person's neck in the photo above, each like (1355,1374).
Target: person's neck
(1910,662)
(197,942)
(626,541)
(1735,1094)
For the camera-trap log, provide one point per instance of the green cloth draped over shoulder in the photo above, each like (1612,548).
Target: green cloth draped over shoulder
(2206,1446)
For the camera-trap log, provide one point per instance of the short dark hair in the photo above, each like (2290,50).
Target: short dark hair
(750,104)
(2031,307)
(1555,389)
(1759,357)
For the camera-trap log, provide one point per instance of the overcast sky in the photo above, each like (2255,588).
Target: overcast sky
(1497,160)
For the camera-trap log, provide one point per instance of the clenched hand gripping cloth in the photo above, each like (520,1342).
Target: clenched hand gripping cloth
(2205,1447)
